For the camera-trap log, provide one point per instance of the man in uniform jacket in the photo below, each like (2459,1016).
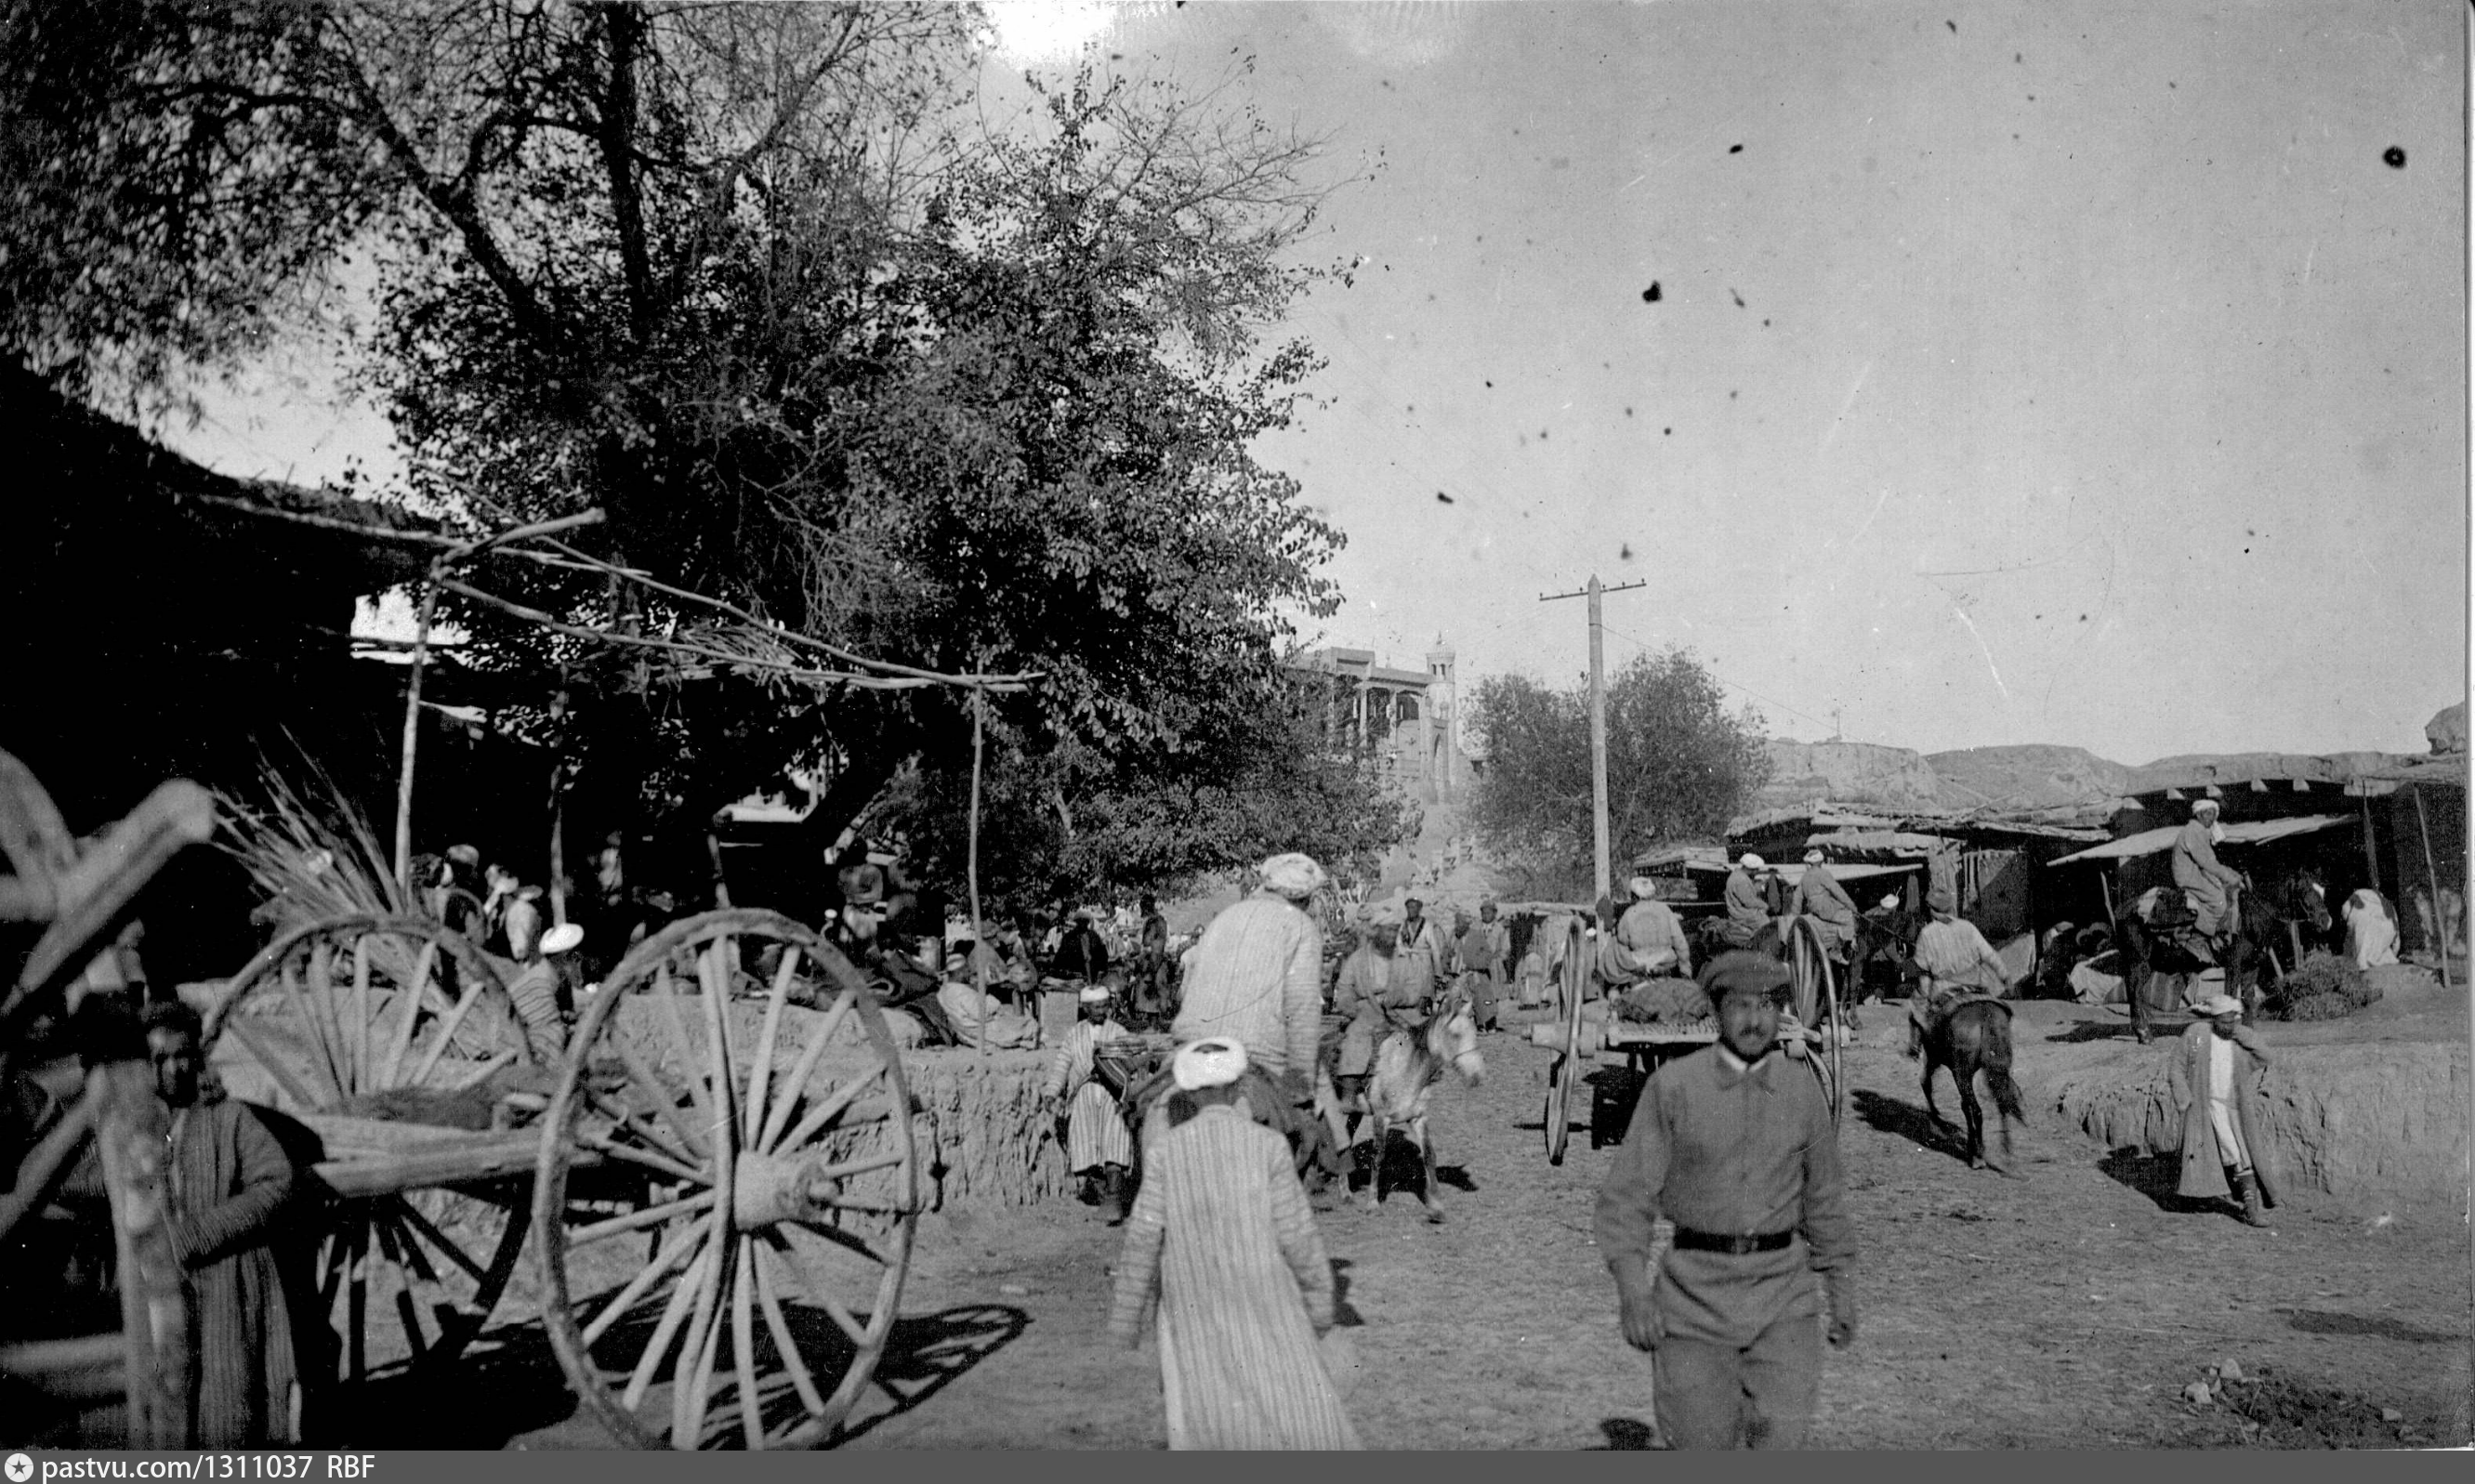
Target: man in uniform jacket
(1734,1145)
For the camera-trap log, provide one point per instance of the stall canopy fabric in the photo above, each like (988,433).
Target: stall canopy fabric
(2252,832)
(1793,871)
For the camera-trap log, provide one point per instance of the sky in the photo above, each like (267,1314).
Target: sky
(2089,374)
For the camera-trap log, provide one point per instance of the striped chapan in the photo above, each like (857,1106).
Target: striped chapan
(1222,1240)
(1095,1130)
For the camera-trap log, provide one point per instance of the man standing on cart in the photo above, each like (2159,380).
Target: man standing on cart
(1734,1145)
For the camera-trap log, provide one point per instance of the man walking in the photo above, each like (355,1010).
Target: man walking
(1257,978)
(1733,1144)
(2214,1074)
(1421,951)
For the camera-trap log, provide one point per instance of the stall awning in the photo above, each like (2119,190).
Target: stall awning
(1793,871)
(2148,843)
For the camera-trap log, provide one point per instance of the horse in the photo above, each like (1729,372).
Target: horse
(1975,1036)
(2262,918)
(1408,1064)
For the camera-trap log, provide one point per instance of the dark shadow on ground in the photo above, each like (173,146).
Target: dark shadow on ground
(928,1352)
(2095,1031)
(507,1383)
(1902,1119)
(2155,1176)
(1626,1435)
(1343,1315)
(2325,1322)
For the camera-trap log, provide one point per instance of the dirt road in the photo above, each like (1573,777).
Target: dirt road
(2067,1308)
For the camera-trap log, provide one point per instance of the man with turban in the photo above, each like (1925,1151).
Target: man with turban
(2197,870)
(1222,1263)
(2215,1075)
(1748,907)
(1734,1145)
(1256,978)
(1099,1150)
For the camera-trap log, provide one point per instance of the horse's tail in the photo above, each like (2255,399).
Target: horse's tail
(1997,1067)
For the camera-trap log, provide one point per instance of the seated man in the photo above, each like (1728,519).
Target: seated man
(1954,961)
(1099,1148)
(1749,908)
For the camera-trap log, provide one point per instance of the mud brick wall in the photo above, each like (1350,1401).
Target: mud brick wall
(995,1140)
(2385,1118)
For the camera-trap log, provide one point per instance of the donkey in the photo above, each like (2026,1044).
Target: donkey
(1973,1037)
(1408,1065)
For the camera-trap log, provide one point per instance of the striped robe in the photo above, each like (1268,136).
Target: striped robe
(1222,1238)
(1257,978)
(229,1181)
(1095,1131)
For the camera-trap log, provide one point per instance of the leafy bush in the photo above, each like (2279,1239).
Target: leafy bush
(2323,988)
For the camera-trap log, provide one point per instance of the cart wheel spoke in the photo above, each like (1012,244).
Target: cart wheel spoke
(823,1154)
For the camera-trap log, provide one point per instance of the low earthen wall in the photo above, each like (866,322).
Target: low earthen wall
(995,1145)
(2359,1120)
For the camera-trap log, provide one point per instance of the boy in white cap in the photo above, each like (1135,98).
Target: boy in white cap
(1099,1149)
(2214,1072)
(1223,1264)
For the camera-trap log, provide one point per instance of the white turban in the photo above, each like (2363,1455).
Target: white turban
(1752,863)
(1293,875)
(1094,994)
(1813,857)
(561,939)
(1890,903)
(2220,1005)
(1211,1063)
(1643,888)
(2205,806)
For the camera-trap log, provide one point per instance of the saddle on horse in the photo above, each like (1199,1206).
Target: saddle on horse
(2172,916)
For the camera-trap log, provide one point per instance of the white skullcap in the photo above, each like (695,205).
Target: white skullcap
(1293,875)
(1752,863)
(1094,994)
(1213,1064)
(2220,1005)
(1642,886)
(561,939)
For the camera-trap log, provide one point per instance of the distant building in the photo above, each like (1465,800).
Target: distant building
(1410,717)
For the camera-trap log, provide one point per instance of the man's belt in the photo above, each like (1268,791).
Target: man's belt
(1693,1241)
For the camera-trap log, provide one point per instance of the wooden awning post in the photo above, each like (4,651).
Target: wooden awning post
(971,867)
(2432,876)
(2371,849)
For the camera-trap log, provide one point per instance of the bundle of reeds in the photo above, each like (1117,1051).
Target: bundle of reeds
(311,854)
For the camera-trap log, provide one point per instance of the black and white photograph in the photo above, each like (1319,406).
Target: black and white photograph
(1229,724)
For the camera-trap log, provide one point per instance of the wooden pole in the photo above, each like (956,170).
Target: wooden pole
(1602,876)
(412,740)
(558,809)
(971,867)
(2372,849)
(133,1129)
(2432,875)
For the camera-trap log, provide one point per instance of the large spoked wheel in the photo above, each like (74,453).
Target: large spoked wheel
(368,1017)
(1814,985)
(1569,1066)
(753,1137)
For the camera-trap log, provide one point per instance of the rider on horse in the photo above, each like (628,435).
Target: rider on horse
(1954,963)
(1749,908)
(2197,870)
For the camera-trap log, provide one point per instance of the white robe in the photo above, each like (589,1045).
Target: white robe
(2371,934)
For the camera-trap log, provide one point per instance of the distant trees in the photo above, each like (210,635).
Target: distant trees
(1679,766)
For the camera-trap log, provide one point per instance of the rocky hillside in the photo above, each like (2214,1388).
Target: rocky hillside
(1895,777)
(2030,776)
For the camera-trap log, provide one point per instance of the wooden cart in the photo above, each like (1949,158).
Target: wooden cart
(720,1172)
(1814,1035)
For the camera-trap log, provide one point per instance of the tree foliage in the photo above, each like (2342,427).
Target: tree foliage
(749,279)
(1679,766)
(1272,778)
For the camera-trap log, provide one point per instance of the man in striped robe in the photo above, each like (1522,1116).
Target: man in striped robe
(1099,1149)
(228,1181)
(1223,1264)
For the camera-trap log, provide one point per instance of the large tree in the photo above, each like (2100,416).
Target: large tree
(1679,765)
(751,281)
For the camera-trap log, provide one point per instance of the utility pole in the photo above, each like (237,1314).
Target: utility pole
(1603,873)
